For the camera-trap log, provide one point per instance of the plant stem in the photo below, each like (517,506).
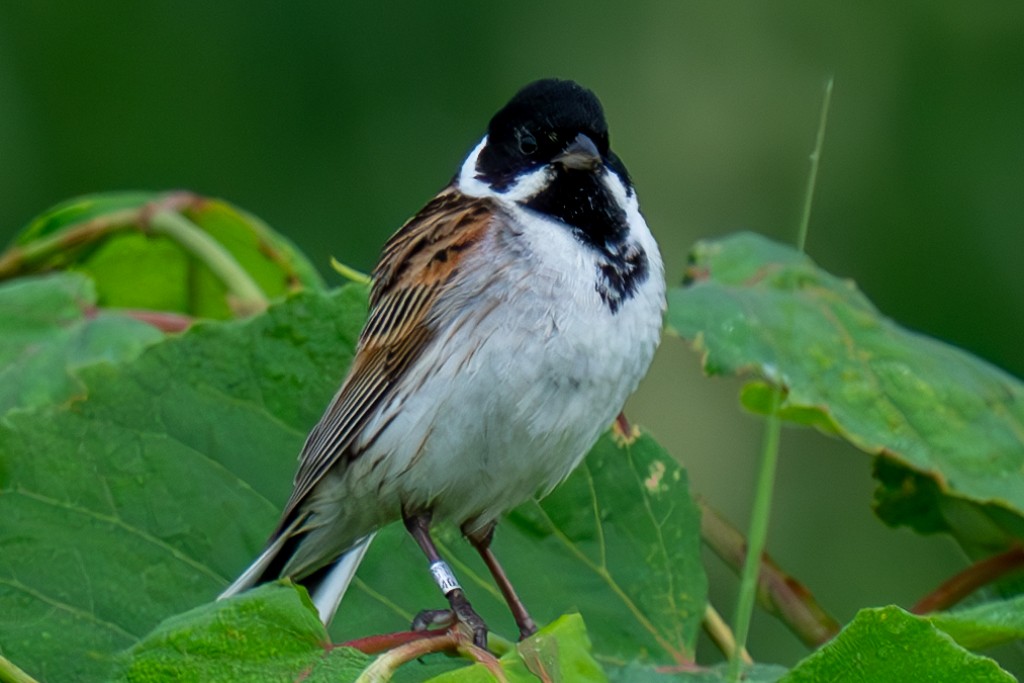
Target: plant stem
(349,273)
(971,579)
(165,321)
(757,535)
(19,259)
(161,216)
(371,645)
(770,445)
(9,673)
(778,592)
(812,180)
(248,296)
(720,634)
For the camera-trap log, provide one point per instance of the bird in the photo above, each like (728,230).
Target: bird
(509,320)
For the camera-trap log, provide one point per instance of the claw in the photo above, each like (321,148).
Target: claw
(430,619)
(467,616)
(461,612)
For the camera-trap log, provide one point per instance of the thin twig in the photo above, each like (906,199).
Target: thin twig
(812,180)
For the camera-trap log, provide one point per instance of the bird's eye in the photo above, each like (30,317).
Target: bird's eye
(527,144)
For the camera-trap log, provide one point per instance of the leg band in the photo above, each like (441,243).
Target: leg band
(444,577)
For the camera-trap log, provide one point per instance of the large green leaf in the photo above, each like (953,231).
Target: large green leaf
(51,329)
(938,416)
(110,237)
(885,645)
(145,496)
(129,505)
(270,634)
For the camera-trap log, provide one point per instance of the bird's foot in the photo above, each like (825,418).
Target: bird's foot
(431,619)
(461,612)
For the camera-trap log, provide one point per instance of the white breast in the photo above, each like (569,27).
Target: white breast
(529,367)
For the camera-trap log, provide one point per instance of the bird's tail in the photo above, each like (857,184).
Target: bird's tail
(326,587)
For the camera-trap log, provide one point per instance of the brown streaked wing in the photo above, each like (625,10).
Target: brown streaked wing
(419,263)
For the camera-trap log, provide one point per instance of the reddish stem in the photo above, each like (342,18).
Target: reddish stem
(971,579)
(372,645)
(164,321)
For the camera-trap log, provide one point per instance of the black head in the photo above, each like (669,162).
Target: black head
(547,150)
(539,126)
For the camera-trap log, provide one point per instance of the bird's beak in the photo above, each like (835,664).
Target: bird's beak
(581,154)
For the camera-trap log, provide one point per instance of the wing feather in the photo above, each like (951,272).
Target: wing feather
(418,265)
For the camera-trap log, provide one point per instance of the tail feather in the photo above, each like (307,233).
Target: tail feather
(326,587)
(330,589)
(256,573)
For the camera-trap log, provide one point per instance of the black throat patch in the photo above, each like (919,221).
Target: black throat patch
(586,206)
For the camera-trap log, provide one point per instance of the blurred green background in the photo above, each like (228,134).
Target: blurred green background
(336,121)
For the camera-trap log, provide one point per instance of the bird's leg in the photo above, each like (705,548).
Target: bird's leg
(481,540)
(419,527)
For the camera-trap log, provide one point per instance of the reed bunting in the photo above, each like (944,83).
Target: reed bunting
(509,320)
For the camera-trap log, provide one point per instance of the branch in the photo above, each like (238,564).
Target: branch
(777,592)
(971,579)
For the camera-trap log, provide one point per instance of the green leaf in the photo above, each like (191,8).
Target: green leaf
(136,266)
(269,634)
(51,330)
(637,673)
(140,500)
(986,625)
(561,651)
(888,644)
(937,414)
